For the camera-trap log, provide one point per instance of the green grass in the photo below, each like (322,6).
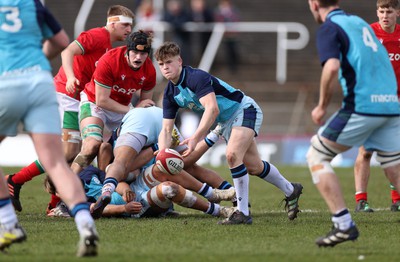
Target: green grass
(197,237)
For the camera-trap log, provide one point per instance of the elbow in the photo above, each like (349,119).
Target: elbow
(215,112)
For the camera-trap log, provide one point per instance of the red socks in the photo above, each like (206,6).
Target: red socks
(361,196)
(27,173)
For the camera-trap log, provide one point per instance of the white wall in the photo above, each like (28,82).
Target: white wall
(17,151)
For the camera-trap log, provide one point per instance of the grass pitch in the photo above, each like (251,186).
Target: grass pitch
(195,236)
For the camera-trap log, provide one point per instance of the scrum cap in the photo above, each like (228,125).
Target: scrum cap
(139,41)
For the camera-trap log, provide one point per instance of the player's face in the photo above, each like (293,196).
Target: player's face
(120,31)
(171,68)
(136,59)
(387,18)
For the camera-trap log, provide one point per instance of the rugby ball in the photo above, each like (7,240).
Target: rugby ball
(169,161)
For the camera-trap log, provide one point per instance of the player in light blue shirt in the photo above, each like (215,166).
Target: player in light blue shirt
(27,95)
(350,52)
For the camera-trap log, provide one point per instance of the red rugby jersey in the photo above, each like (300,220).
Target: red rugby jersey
(94,43)
(114,72)
(391,41)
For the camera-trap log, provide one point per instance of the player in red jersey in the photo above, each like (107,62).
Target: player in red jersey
(388,32)
(79,61)
(119,74)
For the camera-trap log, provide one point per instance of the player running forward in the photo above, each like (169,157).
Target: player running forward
(119,74)
(239,117)
(28,96)
(79,61)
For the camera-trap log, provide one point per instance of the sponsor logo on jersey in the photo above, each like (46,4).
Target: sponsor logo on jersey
(118,89)
(384,98)
(394,57)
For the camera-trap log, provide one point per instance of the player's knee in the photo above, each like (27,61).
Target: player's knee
(93,131)
(231,157)
(170,189)
(365,155)
(388,159)
(319,156)
(71,137)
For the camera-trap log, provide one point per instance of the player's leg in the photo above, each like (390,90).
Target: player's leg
(10,229)
(319,156)
(16,181)
(69,187)
(395,199)
(126,149)
(391,167)
(164,193)
(268,172)
(361,176)
(238,144)
(92,135)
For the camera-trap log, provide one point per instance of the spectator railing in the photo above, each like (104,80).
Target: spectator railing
(283,29)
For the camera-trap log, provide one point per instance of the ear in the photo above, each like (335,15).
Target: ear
(314,6)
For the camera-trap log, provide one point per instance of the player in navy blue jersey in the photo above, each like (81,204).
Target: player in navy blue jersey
(28,96)
(369,116)
(239,117)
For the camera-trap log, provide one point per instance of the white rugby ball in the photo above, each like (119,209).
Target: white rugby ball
(169,161)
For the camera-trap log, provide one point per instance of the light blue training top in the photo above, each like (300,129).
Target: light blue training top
(24,24)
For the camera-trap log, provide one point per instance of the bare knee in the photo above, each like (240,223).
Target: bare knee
(231,158)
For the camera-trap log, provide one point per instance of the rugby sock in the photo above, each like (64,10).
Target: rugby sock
(272,175)
(54,199)
(394,194)
(342,219)
(27,173)
(213,209)
(241,183)
(82,216)
(361,196)
(205,191)
(109,185)
(225,185)
(8,218)
(211,138)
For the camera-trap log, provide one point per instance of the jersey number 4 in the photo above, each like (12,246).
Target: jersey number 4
(369,39)
(12,22)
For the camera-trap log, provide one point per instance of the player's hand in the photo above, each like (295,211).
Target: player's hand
(128,195)
(70,85)
(191,145)
(317,115)
(133,207)
(146,103)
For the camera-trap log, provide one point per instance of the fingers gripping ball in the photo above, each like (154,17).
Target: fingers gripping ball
(169,161)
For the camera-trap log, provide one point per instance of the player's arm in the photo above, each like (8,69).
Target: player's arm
(54,45)
(211,111)
(104,101)
(329,77)
(165,136)
(125,191)
(67,59)
(117,210)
